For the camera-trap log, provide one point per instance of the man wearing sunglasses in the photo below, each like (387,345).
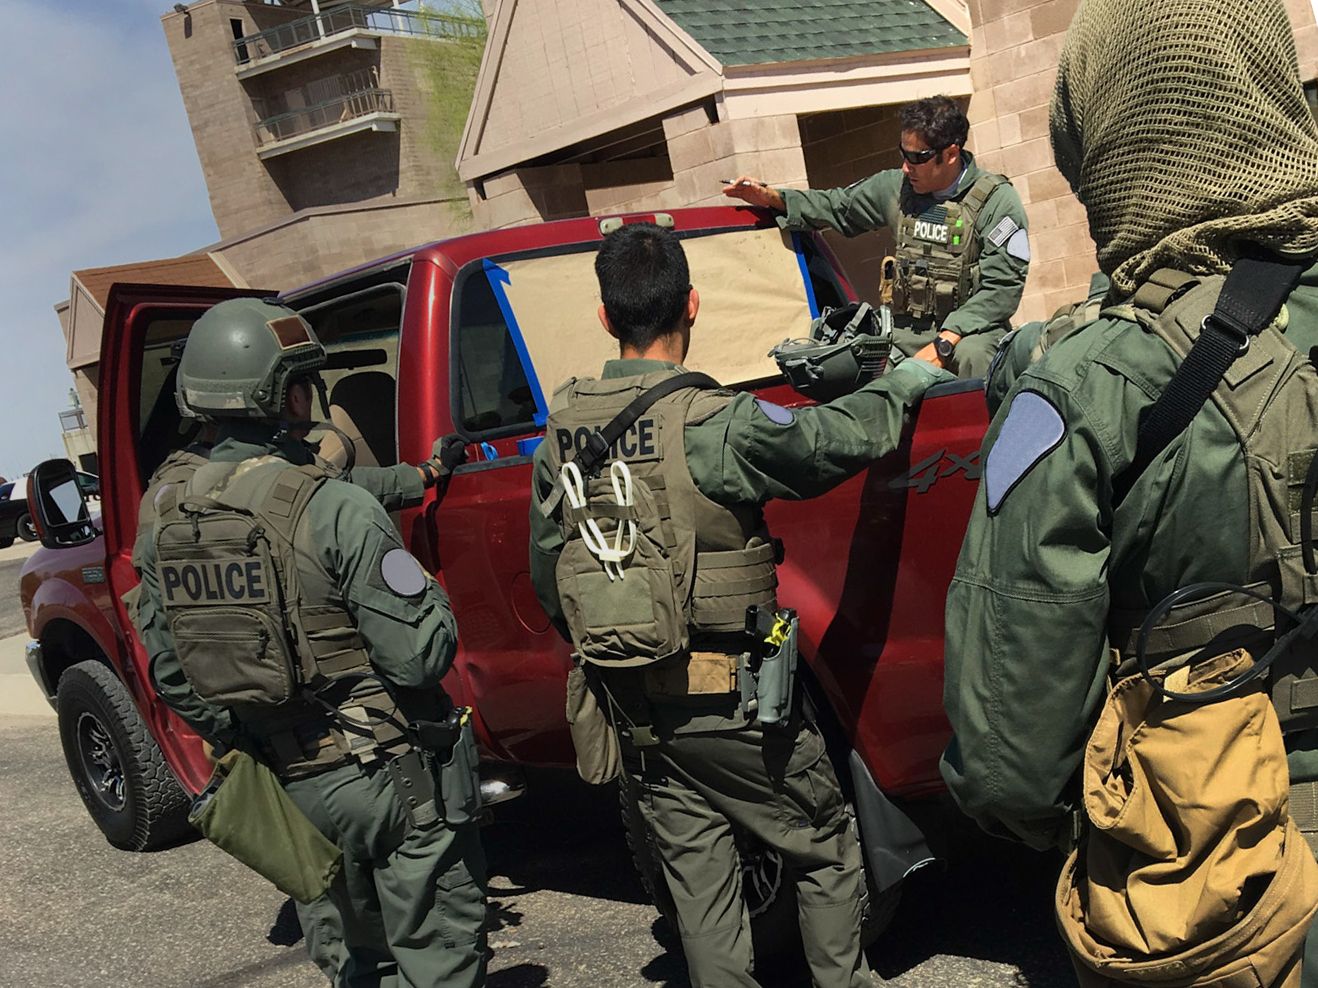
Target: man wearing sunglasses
(962,249)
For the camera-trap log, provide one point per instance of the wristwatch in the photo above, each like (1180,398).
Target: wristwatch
(944,348)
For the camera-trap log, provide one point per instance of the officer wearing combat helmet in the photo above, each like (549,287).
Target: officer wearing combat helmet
(395,487)
(1130,648)
(651,568)
(962,248)
(283,617)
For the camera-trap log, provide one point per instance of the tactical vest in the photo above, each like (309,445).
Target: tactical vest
(696,566)
(938,254)
(1269,397)
(258,624)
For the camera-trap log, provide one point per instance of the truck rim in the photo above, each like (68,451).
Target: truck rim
(100,761)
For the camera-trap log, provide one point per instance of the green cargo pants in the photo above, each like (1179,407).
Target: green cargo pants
(778,787)
(412,902)
(972,355)
(323,931)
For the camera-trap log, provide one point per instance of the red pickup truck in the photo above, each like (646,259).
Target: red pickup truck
(472,334)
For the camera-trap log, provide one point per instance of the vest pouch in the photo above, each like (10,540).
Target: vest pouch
(631,619)
(459,778)
(245,812)
(599,759)
(235,656)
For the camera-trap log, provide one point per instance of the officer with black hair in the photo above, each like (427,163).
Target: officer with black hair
(650,569)
(962,249)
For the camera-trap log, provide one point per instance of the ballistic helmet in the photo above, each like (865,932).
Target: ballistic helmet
(240,358)
(847,348)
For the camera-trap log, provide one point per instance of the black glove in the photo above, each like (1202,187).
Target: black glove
(448,453)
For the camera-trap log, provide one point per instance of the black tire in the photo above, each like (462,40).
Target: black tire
(770,899)
(6,541)
(115,764)
(24,528)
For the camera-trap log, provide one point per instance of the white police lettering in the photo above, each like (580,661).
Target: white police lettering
(1033,429)
(235,580)
(402,573)
(936,232)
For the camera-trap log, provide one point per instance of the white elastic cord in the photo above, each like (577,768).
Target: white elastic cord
(574,490)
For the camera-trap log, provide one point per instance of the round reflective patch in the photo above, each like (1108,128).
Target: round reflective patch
(775,413)
(402,573)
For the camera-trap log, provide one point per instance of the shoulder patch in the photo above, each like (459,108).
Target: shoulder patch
(1033,429)
(1004,231)
(1018,245)
(776,414)
(401,573)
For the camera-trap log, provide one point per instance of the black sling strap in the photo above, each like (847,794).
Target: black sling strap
(599,443)
(1251,298)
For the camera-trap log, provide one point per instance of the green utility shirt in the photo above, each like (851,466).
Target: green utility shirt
(882,199)
(740,455)
(412,640)
(1027,612)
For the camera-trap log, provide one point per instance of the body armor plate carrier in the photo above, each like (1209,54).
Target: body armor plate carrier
(256,634)
(938,255)
(695,566)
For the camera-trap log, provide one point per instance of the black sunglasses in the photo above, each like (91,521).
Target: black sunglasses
(920,157)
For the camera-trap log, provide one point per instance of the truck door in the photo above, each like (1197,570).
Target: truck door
(522,323)
(137,426)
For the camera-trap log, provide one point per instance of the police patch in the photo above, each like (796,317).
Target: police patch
(1019,245)
(402,573)
(1004,231)
(1034,428)
(775,413)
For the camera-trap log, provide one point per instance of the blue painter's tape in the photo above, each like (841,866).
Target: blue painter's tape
(805,275)
(525,447)
(489,452)
(498,279)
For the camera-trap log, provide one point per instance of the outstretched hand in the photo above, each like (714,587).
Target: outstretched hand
(755,192)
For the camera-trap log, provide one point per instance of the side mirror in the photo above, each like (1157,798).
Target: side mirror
(59,509)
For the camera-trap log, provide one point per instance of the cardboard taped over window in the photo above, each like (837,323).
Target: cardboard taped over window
(752,297)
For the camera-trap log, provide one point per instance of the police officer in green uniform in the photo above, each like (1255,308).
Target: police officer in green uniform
(315,642)
(962,248)
(1098,502)
(661,623)
(395,487)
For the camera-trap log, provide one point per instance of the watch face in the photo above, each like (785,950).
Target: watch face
(943,347)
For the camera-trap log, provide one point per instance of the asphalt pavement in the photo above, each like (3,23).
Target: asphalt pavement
(566,909)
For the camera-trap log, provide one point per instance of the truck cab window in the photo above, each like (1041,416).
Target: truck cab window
(492,389)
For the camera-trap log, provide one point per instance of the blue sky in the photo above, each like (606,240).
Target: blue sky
(98,168)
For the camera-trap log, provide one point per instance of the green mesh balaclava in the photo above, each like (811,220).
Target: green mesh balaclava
(1182,127)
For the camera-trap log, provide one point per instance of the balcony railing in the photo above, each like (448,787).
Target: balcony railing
(379,20)
(339,110)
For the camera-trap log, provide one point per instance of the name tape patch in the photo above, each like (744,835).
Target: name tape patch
(1034,428)
(235,580)
(640,442)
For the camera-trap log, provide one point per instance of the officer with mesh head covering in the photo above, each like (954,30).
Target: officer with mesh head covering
(1166,445)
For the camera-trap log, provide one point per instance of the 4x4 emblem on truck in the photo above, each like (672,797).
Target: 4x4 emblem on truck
(931,470)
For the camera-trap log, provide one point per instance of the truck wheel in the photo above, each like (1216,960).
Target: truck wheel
(115,764)
(24,527)
(6,541)
(765,886)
